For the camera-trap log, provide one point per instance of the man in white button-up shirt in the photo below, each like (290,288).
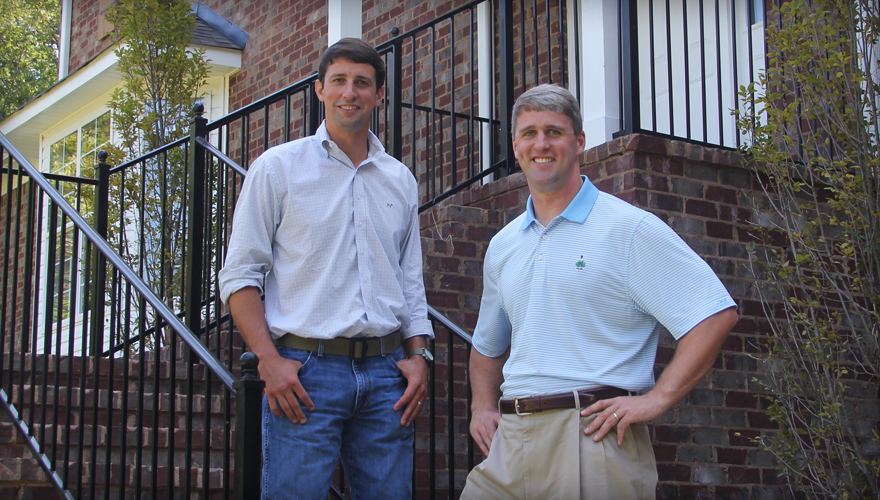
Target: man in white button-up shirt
(329,224)
(574,291)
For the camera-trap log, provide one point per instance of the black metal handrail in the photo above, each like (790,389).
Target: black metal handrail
(102,246)
(38,342)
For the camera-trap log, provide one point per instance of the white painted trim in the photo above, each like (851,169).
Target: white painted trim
(64,39)
(599,69)
(484,95)
(344,20)
(80,89)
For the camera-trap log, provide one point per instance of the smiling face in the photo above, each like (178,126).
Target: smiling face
(349,94)
(548,150)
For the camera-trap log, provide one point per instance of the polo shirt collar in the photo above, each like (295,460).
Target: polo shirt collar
(576,211)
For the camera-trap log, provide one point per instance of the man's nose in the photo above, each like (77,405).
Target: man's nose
(348,90)
(542,141)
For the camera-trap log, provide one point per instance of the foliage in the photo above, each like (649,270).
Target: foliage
(812,128)
(28,51)
(153,108)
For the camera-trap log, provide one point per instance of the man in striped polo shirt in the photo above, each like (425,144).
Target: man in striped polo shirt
(574,292)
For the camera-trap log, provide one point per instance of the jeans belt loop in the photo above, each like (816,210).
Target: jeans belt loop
(358,349)
(320,348)
(382,346)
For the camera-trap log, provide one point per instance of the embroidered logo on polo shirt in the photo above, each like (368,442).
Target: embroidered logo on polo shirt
(580,265)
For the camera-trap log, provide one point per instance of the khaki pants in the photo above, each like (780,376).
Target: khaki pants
(547,456)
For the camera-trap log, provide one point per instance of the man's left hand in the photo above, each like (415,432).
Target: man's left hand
(694,355)
(415,371)
(622,412)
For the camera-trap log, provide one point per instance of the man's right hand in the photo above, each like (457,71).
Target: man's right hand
(280,374)
(283,388)
(484,423)
(486,378)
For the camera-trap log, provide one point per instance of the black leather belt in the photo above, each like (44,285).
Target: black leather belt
(355,348)
(559,400)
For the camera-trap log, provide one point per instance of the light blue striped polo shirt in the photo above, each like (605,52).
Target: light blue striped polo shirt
(581,301)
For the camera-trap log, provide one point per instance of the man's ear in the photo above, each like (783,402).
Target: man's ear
(379,94)
(319,90)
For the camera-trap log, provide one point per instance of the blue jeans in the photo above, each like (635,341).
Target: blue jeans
(353,417)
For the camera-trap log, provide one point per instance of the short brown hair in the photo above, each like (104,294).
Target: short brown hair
(356,51)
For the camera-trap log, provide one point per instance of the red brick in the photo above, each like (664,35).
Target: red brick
(701,208)
(721,194)
(672,434)
(736,456)
(673,472)
(740,400)
(743,475)
(719,230)
(760,420)
(665,452)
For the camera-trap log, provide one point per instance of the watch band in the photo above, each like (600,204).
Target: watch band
(421,351)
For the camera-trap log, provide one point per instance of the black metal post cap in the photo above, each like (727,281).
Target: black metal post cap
(198,109)
(249,362)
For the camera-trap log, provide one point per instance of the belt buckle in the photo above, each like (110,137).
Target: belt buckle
(516,407)
(354,352)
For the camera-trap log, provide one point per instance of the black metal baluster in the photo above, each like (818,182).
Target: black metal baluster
(6,265)
(123,410)
(718,74)
(669,83)
(687,70)
(248,430)
(651,69)
(703,70)
(450,415)
(431,167)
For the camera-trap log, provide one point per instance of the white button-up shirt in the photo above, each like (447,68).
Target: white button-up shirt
(337,244)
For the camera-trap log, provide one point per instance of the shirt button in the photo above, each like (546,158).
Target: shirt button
(361,223)
(543,236)
(365,280)
(540,257)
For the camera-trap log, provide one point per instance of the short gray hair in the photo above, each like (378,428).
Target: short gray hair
(548,97)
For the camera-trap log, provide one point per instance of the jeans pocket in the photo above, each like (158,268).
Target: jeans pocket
(304,357)
(393,358)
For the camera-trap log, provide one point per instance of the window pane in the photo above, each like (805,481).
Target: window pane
(87,143)
(96,136)
(62,154)
(70,150)
(103,129)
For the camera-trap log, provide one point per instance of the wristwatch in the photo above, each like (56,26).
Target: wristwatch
(421,351)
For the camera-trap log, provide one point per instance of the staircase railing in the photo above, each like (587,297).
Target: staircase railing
(132,420)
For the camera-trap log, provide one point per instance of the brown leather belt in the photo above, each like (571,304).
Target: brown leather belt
(356,348)
(559,400)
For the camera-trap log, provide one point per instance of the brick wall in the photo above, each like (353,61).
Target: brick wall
(285,42)
(704,446)
(85,39)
